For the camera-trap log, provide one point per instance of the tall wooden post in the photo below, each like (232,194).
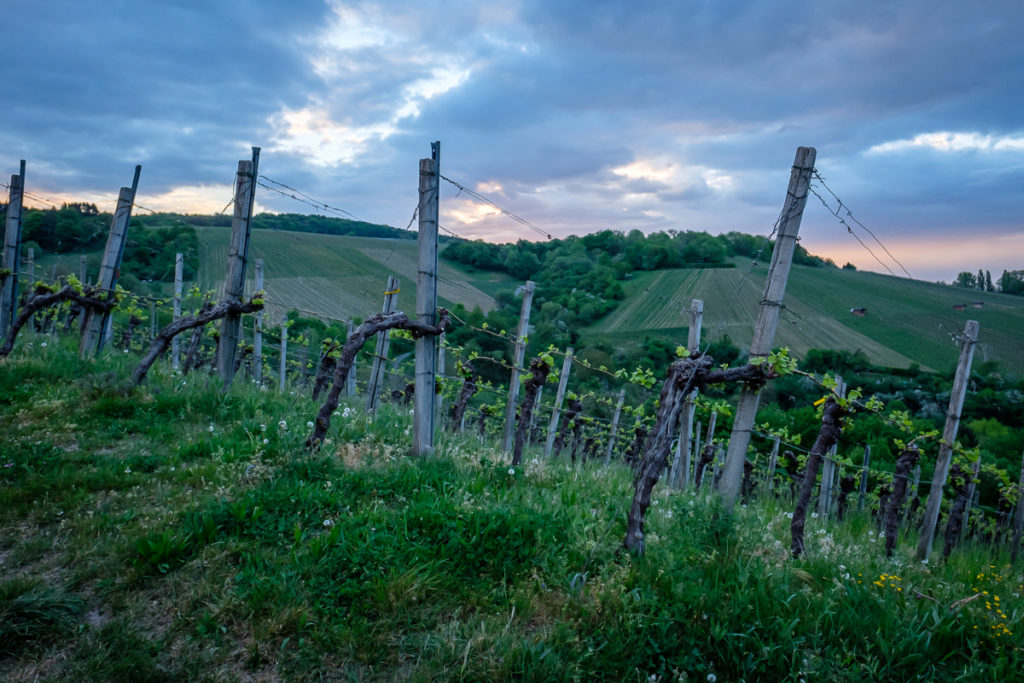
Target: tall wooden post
(426,302)
(708,481)
(350,383)
(380,354)
(1018,515)
(956,404)
(680,474)
(257,330)
(556,411)
(12,253)
(284,352)
(768,318)
(179,276)
(615,427)
(96,325)
(30,266)
(864,478)
(517,365)
(238,256)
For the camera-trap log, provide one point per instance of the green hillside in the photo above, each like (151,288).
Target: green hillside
(335,276)
(906,322)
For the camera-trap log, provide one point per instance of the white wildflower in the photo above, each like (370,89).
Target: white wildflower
(511,470)
(309,424)
(328,522)
(282,425)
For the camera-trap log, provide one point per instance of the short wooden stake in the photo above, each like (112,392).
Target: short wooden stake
(864,478)
(773,460)
(1018,515)
(83,275)
(426,302)
(615,427)
(284,352)
(563,381)
(768,318)
(680,473)
(257,330)
(956,404)
(350,381)
(517,366)
(380,354)
(238,256)
(179,276)
(438,410)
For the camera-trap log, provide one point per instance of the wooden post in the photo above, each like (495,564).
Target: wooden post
(956,404)
(257,330)
(426,302)
(284,351)
(83,274)
(864,478)
(179,276)
(773,460)
(438,412)
(615,427)
(680,473)
(350,381)
(517,365)
(563,380)
(96,325)
(238,255)
(1018,515)
(696,442)
(768,318)
(30,266)
(380,354)
(12,253)
(828,467)
(152,320)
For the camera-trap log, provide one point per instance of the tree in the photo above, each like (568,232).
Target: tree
(966,279)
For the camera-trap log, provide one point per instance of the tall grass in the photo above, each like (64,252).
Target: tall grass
(208,543)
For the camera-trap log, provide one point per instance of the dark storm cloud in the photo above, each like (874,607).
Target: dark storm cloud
(663,114)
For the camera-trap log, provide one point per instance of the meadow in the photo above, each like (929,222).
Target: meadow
(179,532)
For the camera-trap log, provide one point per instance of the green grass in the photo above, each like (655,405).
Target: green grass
(176,532)
(907,321)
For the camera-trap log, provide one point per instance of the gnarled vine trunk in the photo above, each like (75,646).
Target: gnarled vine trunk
(908,458)
(831,424)
(538,376)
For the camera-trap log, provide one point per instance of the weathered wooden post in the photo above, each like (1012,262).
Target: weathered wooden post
(864,478)
(426,302)
(533,416)
(238,256)
(956,404)
(680,474)
(556,411)
(30,266)
(517,365)
(179,276)
(257,330)
(1018,515)
(380,354)
(284,351)
(12,253)
(615,427)
(350,381)
(95,324)
(768,318)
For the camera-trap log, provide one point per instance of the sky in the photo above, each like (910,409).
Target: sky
(576,116)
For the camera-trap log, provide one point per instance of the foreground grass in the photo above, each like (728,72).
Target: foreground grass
(176,532)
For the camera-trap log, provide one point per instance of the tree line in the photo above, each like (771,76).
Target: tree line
(1010,282)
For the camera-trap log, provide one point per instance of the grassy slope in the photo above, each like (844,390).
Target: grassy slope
(179,533)
(336,276)
(907,321)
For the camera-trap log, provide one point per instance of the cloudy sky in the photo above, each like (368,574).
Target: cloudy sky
(578,116)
